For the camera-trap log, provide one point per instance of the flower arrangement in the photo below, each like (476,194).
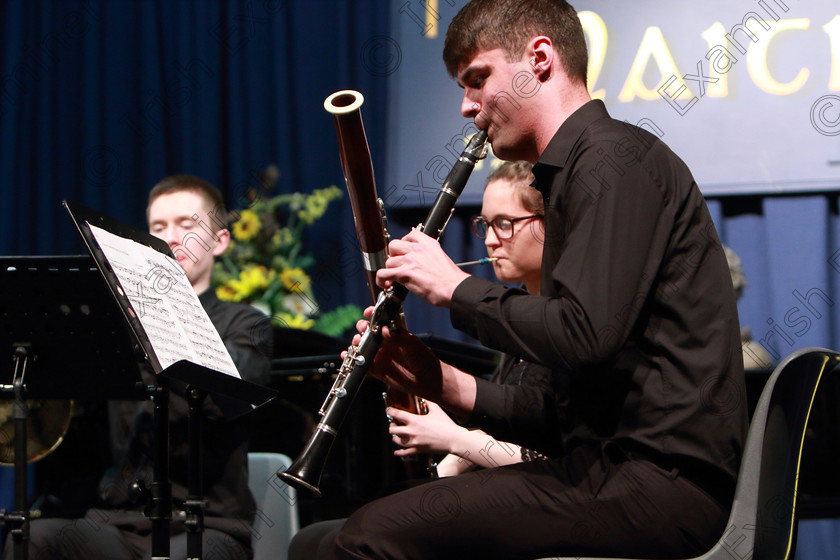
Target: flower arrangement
(266,267)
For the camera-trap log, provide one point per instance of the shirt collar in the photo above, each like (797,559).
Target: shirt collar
(208,297)
(557,152)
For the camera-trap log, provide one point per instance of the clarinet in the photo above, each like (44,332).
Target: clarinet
(306,470)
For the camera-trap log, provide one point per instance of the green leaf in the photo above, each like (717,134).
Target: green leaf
(339,320)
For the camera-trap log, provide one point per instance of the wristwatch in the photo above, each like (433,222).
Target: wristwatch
(433,472)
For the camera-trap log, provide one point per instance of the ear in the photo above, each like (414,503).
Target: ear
(542,57)
(222,242)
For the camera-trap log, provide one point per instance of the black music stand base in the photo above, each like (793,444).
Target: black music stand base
(160,511)
(195,504)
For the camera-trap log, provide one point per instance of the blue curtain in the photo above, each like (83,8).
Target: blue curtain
(99,100)
(788,246)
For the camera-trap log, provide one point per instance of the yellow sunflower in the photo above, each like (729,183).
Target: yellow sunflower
(247,226)
(293,321)
(251,280)
(226,293)
(295,280)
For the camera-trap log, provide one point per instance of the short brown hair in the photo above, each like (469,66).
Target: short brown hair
(191,183)
(520,175)
(508,25)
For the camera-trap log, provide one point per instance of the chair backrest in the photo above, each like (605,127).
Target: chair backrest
(763,518)
(276,520)
(762,522)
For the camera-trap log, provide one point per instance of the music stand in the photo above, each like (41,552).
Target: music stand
(157,300)
(66,334)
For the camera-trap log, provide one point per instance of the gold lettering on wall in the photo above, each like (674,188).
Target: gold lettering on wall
(595,31)
(720,60)
(432,19)
(757,59)
(752,36)
(653,47)
(833,30)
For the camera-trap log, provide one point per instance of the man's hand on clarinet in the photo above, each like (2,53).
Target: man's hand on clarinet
(418,262)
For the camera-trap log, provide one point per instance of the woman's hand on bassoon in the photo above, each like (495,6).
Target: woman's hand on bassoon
(423,433)
(403,361)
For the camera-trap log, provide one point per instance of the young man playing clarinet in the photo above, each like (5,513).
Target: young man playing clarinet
(636,311)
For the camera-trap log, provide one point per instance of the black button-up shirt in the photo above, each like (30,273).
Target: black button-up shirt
(637,308)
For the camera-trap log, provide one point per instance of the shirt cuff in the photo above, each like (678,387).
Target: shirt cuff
(489,402)
(466,298)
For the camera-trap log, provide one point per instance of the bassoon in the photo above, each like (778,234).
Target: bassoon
(368,216)
(306,470)
(368,211)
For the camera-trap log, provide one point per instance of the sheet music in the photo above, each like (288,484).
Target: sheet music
(165,303)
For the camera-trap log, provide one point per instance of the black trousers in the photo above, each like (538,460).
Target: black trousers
(596,501)
(316,540)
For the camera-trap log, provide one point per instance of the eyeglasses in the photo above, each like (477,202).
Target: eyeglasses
(502,226)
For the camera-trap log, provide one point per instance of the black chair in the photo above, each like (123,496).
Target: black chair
(762,523)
